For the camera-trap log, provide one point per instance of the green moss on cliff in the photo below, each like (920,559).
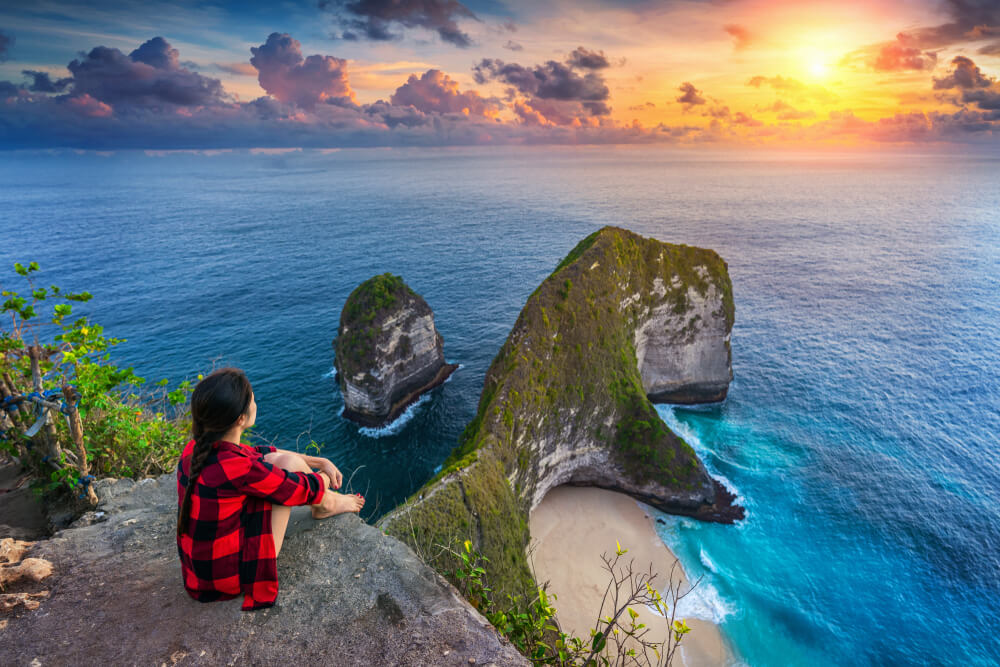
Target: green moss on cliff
(568,367)
(479,506)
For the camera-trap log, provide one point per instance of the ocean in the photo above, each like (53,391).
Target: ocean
(861,426)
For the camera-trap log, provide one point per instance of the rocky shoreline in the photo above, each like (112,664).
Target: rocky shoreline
(400,406)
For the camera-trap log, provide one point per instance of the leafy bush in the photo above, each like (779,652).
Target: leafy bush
(104,425)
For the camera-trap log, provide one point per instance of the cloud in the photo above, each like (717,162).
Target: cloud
(645,106)
(6,41)
(741,36)
(9,90)
(990,49)
(895,57)
(42,83)
(511,45)
(148,77)
(240,69)
(374,19)
(690,96)
(718,112)
(584,59)
(85,105)
(786,111)
(553,89)
(305,82)
(395,116)
(435,91)
(793,87)
(740,118)
(969,20)
(964,74)
(138,101)
(551,80)
(984,99)
(157,53)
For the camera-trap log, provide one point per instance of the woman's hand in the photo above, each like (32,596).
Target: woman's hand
(326,466)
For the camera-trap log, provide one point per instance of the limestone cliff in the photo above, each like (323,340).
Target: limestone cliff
(350,595)
(566,400)
(388,350)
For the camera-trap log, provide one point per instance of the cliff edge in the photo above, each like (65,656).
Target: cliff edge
(622,319)
(349,595)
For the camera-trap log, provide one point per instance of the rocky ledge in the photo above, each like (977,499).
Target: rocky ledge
(388,351)
(350,595)
(621,320)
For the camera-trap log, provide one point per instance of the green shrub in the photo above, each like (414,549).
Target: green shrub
(125,432)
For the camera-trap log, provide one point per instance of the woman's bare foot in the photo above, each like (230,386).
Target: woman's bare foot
(337,503)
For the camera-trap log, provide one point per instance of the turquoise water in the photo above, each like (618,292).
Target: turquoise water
(860,429)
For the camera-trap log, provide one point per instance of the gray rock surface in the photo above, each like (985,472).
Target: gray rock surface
(349,595)
(685,357)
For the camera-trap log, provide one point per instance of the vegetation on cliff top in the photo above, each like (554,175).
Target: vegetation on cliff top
(567,367)
(101,423)
(359,319)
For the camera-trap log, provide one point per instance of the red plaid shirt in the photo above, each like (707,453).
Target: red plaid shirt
(228,548)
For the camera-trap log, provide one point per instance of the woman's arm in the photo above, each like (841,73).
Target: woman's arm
(264,480)
(321,464)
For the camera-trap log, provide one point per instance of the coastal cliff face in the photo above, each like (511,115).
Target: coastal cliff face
(349,595)
(388,350)
(566,401)
(682,347)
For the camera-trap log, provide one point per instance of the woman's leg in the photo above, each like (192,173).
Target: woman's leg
(281,513)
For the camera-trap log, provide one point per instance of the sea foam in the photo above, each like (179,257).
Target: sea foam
(397,424)
(669,416)
(705,603)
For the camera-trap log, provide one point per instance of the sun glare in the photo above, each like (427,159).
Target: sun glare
(818,69)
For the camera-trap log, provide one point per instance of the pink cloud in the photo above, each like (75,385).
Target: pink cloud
(305,82)
(85,105)
(435,91)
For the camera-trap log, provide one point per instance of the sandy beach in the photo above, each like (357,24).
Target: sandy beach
(570,530)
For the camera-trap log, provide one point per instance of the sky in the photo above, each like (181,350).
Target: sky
(211,75)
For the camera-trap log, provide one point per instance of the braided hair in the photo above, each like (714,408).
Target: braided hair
(220,399)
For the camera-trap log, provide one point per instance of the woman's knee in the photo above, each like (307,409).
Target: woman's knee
(290,462)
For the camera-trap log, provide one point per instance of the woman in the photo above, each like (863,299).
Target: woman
(235,499)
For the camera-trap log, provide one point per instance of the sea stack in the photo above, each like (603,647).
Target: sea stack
(621,322)
(388,351)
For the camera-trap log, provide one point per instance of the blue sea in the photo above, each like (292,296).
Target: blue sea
(861,428)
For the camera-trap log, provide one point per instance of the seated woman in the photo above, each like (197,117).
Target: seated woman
(235,500)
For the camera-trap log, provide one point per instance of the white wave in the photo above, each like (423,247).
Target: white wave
(704,602)
(330,373)
(669,416)
(397,424)
(708,562)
